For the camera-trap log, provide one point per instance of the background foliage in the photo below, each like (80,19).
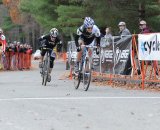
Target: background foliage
(67,15)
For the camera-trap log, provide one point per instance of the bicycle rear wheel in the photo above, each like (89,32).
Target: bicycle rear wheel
(86,74)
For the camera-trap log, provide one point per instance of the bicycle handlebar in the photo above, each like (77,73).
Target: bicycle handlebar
(45,48)
(94,47)
(89,46)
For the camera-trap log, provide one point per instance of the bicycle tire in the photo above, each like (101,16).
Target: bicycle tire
(77,78)
(47,69)
(42,74)
(86,74)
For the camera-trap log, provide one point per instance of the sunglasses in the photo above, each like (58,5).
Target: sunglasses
(89,28)
(52,36)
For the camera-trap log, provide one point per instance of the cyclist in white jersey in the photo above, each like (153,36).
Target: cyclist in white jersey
(86,35)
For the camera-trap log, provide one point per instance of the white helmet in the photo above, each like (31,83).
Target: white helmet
(88,22)
(54,32)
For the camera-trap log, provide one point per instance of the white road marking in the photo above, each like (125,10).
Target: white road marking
(73,98)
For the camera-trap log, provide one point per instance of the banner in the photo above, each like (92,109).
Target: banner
(149,46)
(107,57)
(114,57)
(122,60)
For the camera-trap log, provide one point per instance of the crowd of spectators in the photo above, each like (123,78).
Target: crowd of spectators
(16,56)
(18,47)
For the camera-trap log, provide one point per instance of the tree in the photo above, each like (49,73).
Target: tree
(69,18)
(8,24)
(153,16)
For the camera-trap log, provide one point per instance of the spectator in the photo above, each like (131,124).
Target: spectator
(108,34)
(2,46)
(123,29)
(145,29)
(107,38)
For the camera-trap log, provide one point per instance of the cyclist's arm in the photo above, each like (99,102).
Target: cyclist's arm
(44,37)
(58,40)
(98,39)
(42,40)
(76,40)
(97,35)
(79,32)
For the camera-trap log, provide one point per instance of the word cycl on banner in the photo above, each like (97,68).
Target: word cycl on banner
(149,46)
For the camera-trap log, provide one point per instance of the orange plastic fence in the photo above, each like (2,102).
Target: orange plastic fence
(143,72)
(17,61)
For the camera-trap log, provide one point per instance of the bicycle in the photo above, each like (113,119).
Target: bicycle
(45,66)
(84,72)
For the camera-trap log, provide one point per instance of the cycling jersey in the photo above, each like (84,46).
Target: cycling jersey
(86,36)
(45,40)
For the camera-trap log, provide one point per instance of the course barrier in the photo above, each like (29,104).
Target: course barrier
(16,60)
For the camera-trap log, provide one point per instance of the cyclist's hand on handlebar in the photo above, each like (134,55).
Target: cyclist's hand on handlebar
(78,49)
(97,50)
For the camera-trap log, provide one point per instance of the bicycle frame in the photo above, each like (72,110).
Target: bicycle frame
(45,66)
(85,68)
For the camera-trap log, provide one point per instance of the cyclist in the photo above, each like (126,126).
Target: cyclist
(49,41)
(86,35)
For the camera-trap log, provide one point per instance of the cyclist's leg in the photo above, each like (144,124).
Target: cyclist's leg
(52,58)
(90,41)
(42,57)
(79,54)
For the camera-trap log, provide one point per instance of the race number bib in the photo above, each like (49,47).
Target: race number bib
(53,54)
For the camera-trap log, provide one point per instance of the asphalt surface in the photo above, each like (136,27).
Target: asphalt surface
(27,105)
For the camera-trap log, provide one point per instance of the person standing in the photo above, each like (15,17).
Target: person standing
(123,29)
(143,27)
(2,46)
(143,30)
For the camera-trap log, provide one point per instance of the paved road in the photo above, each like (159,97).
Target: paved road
(27,105)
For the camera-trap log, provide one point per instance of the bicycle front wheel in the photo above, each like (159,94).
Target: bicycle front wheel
(47,66)
(77,76)
(77,79)
(42,71)
(86,74)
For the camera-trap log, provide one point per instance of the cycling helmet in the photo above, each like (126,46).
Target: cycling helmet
(88,22)
(54,32)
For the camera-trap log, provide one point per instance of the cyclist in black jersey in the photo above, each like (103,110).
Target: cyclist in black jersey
(49,41)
